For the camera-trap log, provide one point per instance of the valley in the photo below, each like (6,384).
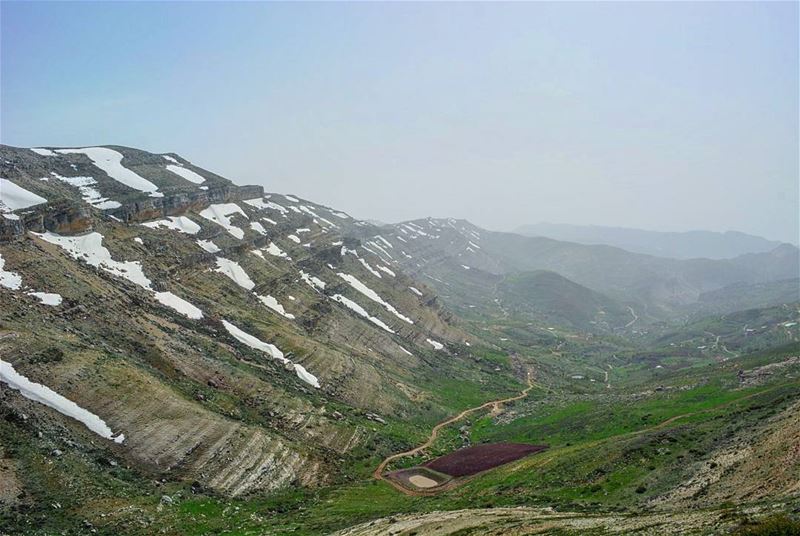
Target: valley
(184,355)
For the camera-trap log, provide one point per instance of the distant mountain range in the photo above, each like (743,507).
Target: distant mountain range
(467,265)
(684,245)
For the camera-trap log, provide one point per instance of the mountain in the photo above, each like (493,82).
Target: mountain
(233,337)
(677,245)
(553,299)
(738,297)
(180,354)
(465,263)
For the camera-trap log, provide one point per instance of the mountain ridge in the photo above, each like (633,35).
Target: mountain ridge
(673,244)
(665,285)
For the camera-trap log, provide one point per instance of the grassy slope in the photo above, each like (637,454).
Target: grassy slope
(612,450)
(553,299)
(606,443)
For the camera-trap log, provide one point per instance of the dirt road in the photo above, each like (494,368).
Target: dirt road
(378,474)
(635,317)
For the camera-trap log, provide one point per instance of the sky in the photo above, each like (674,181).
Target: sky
(664,116)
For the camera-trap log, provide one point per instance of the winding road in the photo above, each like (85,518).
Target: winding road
(635,317)
(378,474)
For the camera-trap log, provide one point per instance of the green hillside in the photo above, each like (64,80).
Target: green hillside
(552,299)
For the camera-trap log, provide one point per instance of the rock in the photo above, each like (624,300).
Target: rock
(166,499)
(376,418)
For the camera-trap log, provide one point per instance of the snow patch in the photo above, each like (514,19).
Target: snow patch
(178,223)
(44,395)
(90,195)
(273,304)
(89,248)
(13,281)
(110,161)
(353,306)
(372,295)
(256,202)
(275,251)
(186,173)
(208,245)
(48,298)
(308,210)
(436,345)
(254,342)
(305,375)
(313,281)
(9,280)
(235,272)
(220,213)
(179,304)
(382,239)
(13,197)
(372,270)
(380,248)
(271,350)
(385,270)
(260,203)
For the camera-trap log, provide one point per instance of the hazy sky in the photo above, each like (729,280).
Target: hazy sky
(668,116)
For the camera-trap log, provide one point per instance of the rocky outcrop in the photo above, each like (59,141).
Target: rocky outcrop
(10,229)
(71,217)
(64,217)
(67,218)
(150,208)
